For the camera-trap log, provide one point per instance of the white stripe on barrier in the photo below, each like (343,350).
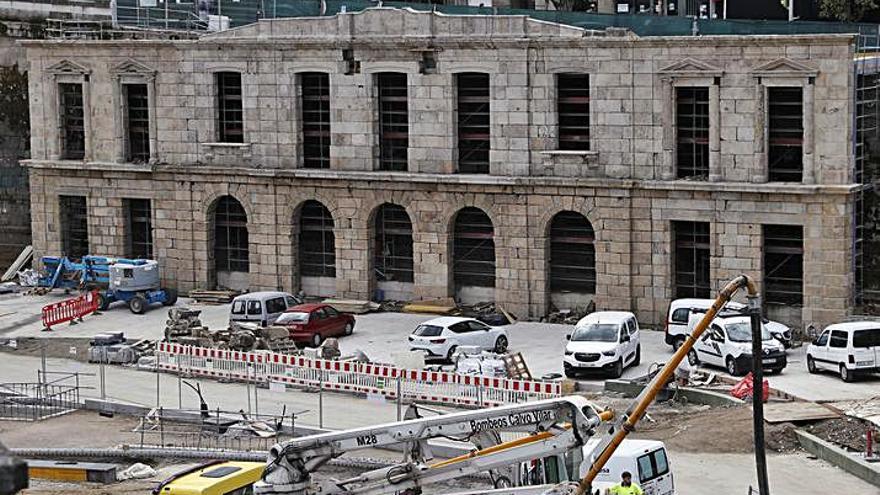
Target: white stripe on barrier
(428,386)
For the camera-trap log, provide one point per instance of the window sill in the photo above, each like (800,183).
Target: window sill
(228,145)
(583,153)
(571,158)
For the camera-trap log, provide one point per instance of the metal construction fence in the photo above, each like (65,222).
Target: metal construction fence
(437,387)
(36,401)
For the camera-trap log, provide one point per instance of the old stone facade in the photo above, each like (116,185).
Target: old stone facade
(624,185)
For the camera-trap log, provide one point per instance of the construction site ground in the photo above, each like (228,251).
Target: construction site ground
(383,335)
(709,450)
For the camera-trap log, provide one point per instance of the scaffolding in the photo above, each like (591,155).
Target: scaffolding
(866,211)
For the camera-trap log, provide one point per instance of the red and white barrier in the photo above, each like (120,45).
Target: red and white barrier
(69,310)
(345,376)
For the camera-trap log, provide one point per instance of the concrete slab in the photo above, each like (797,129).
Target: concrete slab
(781,412)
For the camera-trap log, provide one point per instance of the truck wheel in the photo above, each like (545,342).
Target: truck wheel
(732,368)
(170,297)
(569,370)
(349,329)
(617,370)
(103,302)
(811,365)
(845,374)
(137,305)
(677,343)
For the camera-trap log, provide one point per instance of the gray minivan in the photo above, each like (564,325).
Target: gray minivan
(261,307)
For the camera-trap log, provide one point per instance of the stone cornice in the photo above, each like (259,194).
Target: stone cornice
(450,179)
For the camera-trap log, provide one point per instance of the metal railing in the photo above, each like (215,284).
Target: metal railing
(36,401)
(213,429)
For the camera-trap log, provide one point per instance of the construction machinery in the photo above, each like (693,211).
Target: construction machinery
(555,429)
(133,281)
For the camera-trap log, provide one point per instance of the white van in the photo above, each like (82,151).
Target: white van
(727,343)
(261,307)
(847,349)
(603,341)
(680,311)
(646,460)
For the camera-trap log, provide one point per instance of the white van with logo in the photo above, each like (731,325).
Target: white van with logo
(679,315)
(727,343)
(848,349)
(262,308)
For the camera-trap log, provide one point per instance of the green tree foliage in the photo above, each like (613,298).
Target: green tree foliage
(846,10)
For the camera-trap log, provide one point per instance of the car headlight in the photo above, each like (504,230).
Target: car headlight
(609,353)
(568,353)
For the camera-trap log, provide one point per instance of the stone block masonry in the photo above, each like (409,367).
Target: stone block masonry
(623,183)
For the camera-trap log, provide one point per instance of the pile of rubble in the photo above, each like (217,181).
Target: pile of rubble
(487,312)
(185,327)
(569,316)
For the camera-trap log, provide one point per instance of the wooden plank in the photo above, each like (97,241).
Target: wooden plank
(783,412)
(428,308)
(19,262)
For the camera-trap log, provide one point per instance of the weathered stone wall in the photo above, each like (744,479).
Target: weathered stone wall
(622,185)
(632,224)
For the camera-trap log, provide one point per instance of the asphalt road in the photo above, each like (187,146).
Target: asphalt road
(383,335)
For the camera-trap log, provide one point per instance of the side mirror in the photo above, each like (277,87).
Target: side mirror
(568,337)
(625,338)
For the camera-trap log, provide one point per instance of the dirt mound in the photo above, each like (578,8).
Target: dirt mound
(726,430)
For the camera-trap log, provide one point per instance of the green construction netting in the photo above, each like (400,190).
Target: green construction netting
(186,14)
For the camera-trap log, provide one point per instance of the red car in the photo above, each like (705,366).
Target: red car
(312,323)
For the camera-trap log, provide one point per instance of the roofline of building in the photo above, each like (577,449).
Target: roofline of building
(448,179)
(715,40)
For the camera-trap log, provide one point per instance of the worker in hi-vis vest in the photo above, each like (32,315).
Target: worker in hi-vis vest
(625,487)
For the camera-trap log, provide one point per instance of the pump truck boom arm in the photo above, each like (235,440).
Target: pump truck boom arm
(557,426)
(626,422)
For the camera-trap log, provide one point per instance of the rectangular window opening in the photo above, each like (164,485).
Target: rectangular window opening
(315,113)
(317,242)
(691,243)
(74,226)
(231,116)
(139,228)
(573,109)
(785,134)
(473,123)
(137,123)
(692,132)
(783,264)
(73,130)
(393,121)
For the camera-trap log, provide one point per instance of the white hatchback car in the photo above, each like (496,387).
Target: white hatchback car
(603,341)
(848,349)
(440,337)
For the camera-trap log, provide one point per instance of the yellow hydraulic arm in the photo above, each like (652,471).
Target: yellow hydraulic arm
(650,392)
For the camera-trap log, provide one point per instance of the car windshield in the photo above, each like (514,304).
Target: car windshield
(742,332)
(293,318)
(238,307)
(596,332)
(427,330)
